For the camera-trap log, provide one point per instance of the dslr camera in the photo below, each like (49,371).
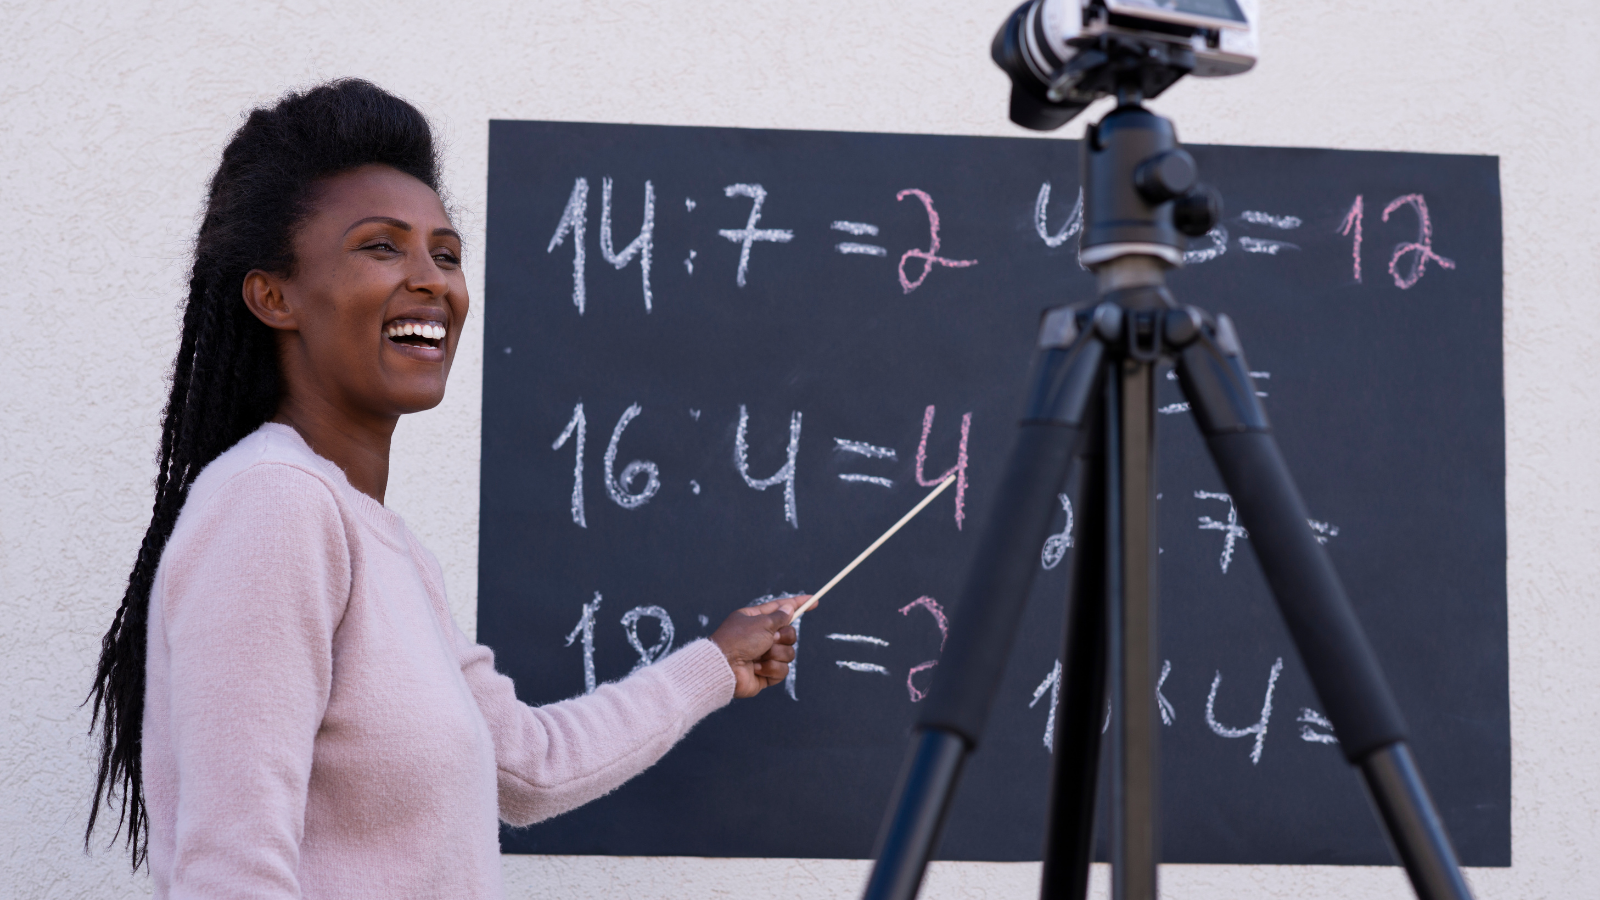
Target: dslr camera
(1062,55)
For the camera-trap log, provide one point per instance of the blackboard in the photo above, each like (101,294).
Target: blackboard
(719,362)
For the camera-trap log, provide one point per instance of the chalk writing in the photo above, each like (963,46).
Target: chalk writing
(1072,226)
(1310,720)
(784,475)
(859,229)
(749,234)
(930,257)
(1259,729)
(959,469)
(575,425)
(585,629)
(1051,683)
(619,487)
(939,618)
(875,452)
(1323,530)
(1231,529)
(630,623)
(572,222)
(1055,546)
(1168,714)
(878,480)
(1422,246)
(1183,407)
(1256,217)
(639,246)
(1218,237)
(867,450)
(861,666)
(858,639)
(1270,248)
(1351,228)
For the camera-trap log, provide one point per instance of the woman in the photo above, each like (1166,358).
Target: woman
(287,707)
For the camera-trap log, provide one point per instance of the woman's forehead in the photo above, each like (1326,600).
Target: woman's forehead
(377,191)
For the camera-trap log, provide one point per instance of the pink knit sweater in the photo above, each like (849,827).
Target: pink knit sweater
(316,725)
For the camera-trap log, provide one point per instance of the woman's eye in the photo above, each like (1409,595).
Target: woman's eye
(447,258)
(384,246)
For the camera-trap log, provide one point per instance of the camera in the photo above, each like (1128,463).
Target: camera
(1062,55)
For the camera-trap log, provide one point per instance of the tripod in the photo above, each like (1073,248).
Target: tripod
(1090,424)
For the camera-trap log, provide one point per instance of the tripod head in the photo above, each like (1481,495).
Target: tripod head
(1139,186)
(1140,190)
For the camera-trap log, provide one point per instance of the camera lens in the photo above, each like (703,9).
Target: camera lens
(1019,58)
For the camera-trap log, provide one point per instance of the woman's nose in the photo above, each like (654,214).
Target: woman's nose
(426,276)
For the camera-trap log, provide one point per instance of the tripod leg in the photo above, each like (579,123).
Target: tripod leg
(1341,663)
(1062,395)
(1131,635)
(1069,840)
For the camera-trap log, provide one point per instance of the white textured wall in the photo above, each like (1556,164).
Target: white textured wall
(112,114)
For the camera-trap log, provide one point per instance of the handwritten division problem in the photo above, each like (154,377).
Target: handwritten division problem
(574,216)
(638,481)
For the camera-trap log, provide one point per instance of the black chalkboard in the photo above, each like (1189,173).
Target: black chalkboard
(816,325)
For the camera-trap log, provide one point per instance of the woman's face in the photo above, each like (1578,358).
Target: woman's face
(370,318)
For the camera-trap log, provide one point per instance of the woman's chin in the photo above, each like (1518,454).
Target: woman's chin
(415,398)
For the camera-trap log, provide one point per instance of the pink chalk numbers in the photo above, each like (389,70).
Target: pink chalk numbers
(940,619)
(1422,246)
(1351,227)
(1420,250)
(959,469)
(929,257)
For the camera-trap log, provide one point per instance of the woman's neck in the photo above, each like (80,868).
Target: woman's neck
(360,449)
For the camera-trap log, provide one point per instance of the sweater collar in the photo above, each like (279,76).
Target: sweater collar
(387,523)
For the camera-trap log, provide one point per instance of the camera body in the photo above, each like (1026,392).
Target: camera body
(1063,55)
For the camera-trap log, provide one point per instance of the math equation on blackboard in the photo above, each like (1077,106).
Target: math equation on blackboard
(720,362)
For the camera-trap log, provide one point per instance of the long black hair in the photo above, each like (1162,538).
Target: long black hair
(225,379)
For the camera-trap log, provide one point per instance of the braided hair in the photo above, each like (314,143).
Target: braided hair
(225,379)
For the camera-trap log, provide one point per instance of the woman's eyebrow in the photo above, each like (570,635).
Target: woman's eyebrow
(387,220)
(446,232)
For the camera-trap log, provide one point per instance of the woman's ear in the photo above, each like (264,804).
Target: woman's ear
(263,294)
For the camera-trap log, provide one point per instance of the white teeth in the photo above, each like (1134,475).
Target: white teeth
(429,330)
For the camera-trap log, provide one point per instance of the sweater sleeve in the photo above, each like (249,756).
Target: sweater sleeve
(558,757)
(253,590)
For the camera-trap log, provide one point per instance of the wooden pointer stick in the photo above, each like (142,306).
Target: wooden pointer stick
(875,545)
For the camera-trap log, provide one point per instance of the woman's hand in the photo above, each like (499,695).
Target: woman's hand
(759,644)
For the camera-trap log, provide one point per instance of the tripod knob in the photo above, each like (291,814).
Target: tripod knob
(1165,176)
(1198,211)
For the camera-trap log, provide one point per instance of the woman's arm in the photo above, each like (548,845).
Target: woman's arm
(252,591)
(557,757)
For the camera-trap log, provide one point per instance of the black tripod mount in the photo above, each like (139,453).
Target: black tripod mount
(1089,426)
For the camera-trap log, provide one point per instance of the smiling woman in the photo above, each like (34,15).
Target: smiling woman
(285,707)
(367,321)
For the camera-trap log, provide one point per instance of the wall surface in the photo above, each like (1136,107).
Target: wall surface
(112,116)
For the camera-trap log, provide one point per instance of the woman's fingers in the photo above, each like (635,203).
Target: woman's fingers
(785,605)
(759,643)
